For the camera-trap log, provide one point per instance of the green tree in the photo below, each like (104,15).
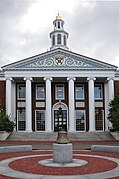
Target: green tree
(113,115)
(5,123)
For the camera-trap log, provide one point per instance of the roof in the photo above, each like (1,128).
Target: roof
(59,59)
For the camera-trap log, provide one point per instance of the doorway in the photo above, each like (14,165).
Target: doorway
(60,116)
(60,120)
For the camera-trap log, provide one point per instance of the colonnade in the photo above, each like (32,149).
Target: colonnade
(48,113)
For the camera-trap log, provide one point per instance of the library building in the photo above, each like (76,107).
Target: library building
(58,89)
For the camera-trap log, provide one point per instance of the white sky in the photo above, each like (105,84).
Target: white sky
(93,28)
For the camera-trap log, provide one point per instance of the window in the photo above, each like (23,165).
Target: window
(21,91)
(99,117)
(80,120)
(58,25)
(59,39)
(59,91)
(40,120)
(79,91)
(64,40)
(40,92)
(53,42)
(21,120)
(98,91)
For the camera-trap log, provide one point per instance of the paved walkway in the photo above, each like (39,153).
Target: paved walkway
(38,164)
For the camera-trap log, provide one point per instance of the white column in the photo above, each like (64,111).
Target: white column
(9,97)
(110,88)
(106,105)
(110,94)
(91,104)
(48,114)
(28,105)
(72,124)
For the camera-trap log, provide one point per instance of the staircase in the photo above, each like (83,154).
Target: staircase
(52,136)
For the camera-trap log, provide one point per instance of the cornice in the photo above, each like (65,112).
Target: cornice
(59,69)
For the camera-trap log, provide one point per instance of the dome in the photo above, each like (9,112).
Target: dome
(58,17)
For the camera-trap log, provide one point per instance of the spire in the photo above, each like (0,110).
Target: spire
(58,35)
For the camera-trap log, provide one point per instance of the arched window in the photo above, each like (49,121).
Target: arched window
(58,25)
(53,40)
(64,40)
(59,39)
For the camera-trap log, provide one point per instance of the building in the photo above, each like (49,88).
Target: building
(58,89)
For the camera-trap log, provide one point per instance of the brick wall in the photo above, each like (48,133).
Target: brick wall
(116,87)
(2,94)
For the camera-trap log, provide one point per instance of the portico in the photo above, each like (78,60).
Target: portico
(79,111)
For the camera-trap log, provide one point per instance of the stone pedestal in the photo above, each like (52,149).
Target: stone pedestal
(62,153)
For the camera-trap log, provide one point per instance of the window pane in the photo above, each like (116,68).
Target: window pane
(21,120)
(99,115)
(53,40)
(58,25)
(58,39)
(64,40)
(80,120)
(21,91)
(40,92)
(59,91)
(40,120)
(98,91)
(79,92)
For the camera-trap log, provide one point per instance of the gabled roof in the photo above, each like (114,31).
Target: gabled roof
(59,59)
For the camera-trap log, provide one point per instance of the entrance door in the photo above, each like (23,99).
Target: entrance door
(60,120)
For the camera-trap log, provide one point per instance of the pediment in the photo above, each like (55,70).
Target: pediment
(58,59)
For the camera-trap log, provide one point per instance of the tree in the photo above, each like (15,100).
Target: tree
(113,115)
(5,123)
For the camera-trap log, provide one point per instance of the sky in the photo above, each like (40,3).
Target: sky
(93,28)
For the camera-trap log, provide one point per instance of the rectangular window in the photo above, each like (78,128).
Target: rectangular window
(59,91)
(21,120)
(80,120)
(40,92)
(40,120)
(99,118)
(79,91)
(21,92)
(98,91)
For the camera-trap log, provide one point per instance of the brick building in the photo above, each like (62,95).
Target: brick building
(58,89)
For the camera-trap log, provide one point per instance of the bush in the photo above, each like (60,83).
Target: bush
(5,123)
(113,115)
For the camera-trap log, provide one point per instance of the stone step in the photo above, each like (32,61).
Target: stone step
(52,136)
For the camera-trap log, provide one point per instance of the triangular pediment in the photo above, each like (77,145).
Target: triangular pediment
(58,59)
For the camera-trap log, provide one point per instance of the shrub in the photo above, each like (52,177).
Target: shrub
(5,123)
(113,115)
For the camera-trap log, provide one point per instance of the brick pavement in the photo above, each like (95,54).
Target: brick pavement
(99,164)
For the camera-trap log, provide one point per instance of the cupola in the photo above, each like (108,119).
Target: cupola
(58,35)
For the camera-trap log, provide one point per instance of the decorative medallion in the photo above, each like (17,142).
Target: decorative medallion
(59,60)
